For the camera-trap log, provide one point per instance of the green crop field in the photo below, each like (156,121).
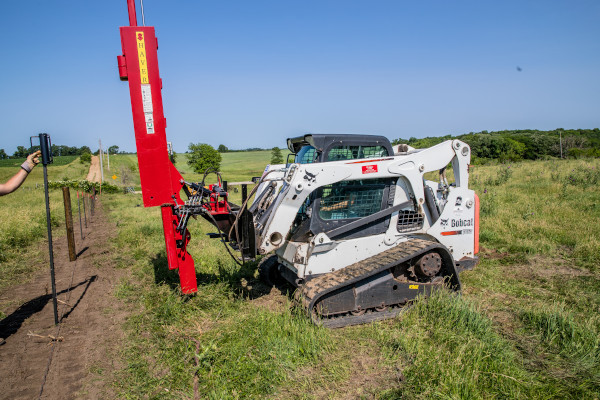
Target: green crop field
(58,161)
(526,325)
(235,167)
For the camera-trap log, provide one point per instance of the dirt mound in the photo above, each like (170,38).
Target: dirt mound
(31,361)
(95,174)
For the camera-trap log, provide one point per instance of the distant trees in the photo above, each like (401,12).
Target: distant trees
(62,150)
(85,157)
(276,157)
(85,149)
(521,144)
(58,150)
(3,154)
(202,157)
(222,148)
(21,152)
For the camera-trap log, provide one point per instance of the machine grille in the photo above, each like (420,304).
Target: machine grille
(409,220)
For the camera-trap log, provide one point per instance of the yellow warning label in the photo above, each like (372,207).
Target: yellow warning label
(413,286)
(141,48)
(114,177)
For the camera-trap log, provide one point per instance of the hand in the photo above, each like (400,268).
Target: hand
(34,159)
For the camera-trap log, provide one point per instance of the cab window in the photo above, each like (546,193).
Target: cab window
(306,155)
(338,153)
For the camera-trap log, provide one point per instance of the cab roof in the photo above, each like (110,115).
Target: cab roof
(323,142)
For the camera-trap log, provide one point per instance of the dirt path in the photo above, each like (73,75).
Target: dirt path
(94,174)
(81,364)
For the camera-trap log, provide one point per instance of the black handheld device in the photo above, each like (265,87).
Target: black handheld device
(45,147)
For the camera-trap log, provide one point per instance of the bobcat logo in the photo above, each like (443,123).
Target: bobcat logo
(311,178)
(444,222)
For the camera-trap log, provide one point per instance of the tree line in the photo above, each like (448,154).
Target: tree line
(224,149)
(57,151)
(526,144)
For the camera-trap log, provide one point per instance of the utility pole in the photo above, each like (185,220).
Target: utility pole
(560,133)
(100,154)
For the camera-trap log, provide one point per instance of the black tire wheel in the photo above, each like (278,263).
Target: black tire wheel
(268,271)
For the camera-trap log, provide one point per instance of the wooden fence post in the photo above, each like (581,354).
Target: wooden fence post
(69,224)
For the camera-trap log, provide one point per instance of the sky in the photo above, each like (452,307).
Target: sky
(253,73)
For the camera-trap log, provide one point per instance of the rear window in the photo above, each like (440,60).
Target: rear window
(356,152)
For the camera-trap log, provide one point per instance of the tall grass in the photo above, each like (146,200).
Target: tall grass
(23,219)
(569,347)
(447,348)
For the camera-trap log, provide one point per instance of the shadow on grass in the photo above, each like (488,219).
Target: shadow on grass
(11,324)
(233,277)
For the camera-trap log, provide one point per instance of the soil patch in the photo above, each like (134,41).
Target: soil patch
(76,358)
(273,299)
(94,174)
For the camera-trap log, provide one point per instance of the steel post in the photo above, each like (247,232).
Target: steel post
(50,251)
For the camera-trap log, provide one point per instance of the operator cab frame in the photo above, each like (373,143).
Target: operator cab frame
(335,205)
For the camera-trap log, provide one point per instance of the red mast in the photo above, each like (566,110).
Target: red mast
(161,182)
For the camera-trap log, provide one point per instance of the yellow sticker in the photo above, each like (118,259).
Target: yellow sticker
(141,48)
(413,286)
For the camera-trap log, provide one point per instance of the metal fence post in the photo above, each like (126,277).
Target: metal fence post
(50,252)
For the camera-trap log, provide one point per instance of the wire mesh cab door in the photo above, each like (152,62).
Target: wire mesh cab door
(338,204)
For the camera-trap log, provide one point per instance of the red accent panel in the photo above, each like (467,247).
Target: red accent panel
(450,233)
(369,169)
(476,244)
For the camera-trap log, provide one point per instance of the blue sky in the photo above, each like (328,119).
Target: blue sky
(252,73)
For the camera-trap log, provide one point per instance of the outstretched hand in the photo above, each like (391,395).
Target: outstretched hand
(34,159)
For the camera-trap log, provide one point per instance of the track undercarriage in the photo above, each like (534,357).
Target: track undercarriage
(376,288)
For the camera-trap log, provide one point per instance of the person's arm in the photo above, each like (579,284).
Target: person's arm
(13,183)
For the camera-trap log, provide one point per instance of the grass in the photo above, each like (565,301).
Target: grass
(235,167)
(524,326)
(23,218)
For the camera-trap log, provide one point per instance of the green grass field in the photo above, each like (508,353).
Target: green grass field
(23,216)
(526,325)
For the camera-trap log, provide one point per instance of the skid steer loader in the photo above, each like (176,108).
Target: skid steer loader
(358,230)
